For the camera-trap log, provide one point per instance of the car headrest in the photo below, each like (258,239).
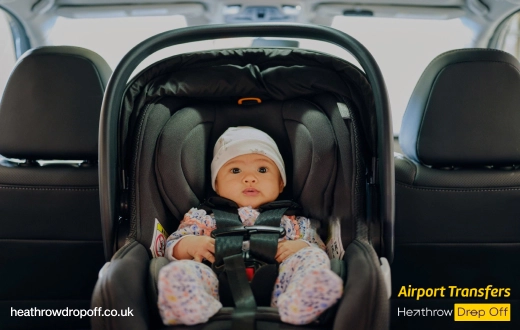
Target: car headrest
(51,104)
(465,111)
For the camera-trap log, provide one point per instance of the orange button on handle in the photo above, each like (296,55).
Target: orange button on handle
(246,99)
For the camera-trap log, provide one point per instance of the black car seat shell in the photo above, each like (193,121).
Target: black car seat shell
(458,184)
(50,229)
(320,111)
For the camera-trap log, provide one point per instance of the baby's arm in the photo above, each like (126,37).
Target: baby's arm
(288,248)
(309,234)
(299,234)
(196,248)
(192,239)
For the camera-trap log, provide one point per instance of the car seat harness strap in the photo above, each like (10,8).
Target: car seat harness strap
(230,244)
(240,266)
(264,245)
(263,236)
(245,305)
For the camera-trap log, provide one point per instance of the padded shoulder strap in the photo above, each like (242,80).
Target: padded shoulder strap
(264,246)
(227,245)
(291,207)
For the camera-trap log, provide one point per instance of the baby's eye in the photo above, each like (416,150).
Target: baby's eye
(235,170)
(262,169)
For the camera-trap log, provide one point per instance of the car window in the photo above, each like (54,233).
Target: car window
(7,50)
(402,47)
(507,37)
(99,34)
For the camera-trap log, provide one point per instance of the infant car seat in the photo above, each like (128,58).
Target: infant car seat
(320,110)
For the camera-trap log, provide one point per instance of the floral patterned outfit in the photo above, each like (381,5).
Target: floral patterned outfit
(304,288)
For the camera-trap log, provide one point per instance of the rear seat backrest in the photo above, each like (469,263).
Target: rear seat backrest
(458,188)
(50,229)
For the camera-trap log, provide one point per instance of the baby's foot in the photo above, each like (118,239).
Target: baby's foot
(183,293)
(304,301)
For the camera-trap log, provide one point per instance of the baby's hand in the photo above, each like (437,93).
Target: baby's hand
(288,248)
(196,248)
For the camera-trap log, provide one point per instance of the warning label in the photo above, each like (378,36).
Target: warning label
(159,240)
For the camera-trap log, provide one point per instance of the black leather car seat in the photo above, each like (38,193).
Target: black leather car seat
(458,186)
(50,230)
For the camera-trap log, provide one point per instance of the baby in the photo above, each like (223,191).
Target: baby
(248,169)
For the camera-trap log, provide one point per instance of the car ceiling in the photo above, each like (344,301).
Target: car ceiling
(483,15)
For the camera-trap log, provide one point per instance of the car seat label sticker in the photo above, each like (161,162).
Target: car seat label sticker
(159,240)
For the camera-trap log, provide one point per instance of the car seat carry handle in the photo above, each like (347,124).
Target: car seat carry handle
(111,169)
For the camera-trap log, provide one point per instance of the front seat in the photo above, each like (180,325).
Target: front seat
(458,189)
(50,231)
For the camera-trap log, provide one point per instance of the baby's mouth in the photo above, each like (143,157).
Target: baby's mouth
(250,192)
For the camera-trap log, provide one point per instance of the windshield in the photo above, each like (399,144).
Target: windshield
(402,47)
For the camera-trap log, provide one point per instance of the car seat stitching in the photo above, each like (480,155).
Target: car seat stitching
(459,243)
(135,173)
(458,189)
(50,240)
(37,188)
(355,202)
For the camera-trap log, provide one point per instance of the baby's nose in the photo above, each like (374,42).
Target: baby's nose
(250,179)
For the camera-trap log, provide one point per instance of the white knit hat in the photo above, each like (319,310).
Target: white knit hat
(244,140)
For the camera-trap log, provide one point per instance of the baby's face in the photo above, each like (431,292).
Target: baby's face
(249,180)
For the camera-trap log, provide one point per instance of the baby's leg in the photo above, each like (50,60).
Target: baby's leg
(188,293)
(305,286)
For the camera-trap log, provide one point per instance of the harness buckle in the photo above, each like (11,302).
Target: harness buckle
(252,265)
(250,272)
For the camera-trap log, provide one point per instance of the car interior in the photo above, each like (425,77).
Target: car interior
(396,120)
